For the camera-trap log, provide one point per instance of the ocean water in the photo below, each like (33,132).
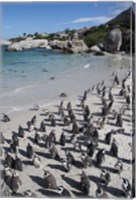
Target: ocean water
(26,76)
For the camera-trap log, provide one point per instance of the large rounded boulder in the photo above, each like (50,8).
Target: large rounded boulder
(113,40)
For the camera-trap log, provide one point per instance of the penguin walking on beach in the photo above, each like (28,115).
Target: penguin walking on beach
(51,139)
(5,117)
(29,151)
(118,167)
(85,183)
(116,79)
(7,172)
(100,157)
(15,138)
(63,139)
(33,120)
(66,164)
(100,193)
(36,161)
(126,187)
(42,127)
(13,147)
(70,157)
(15,182)
(30,126)
(65,121)
(52,120)
(105,177)
(21,131)
(75,128)
(18,163)
(128,99)
(86,160)
(114,148)
(50,179)
(54,152)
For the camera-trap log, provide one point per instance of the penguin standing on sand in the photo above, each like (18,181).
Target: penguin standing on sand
(33,120)
(9,160)
(62,139)
(29,150)
(15,182)
(126,187)
(54,152)
(30,126)
(100,157)
(70,157)
(91,149)
(75,128)
(18,164)
(86,160)
(15,138)
(36,161)
(7,174)
(50,179)
(13,147)
(66,164)
(105,177)
(114,148)
(52,120)
(85,183)
(119,121)
(21,131)
(37,138)
(108,137)
(42,127)
(29,193)
(118,167)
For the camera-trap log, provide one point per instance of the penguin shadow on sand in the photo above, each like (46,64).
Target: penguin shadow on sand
(48,193)
(23,152)
(31,139)
(81,195)
(114,191)
(73,183)
(109,169)
(45,155)
(95,179)
(39,181)
(57,166)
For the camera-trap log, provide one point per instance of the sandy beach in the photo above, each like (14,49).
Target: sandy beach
(32,178)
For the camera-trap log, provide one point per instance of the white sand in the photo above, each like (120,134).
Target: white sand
(32,177)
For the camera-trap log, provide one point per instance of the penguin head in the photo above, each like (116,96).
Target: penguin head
(103,172)
(83,154)
(46,173)
(125,181)
(15,174)
(99,191)
(103,151)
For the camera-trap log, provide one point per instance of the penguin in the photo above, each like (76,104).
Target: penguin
(128,99)
(18,164)
(126,187)
(95,136)
(50,179)
(5,117)
(70,157)
(66,121)
(118,167)
(37,138)
(100,157)
(36,161)
(21,131)
(30,126)
(9,160)
(105,177)
(7,172)
(13,147)
(91,148)
(110,105)
(33,120)
(54,152)
(85,95)
(29,150)
(108,137)
(100,193)
(42,127)
(86,160)
(52,120)
(63,139)
(50,139)
(119,121)
(111,96)
(66,164)
(2,139)
(63,192)
(15,182)
(69,106)
(77,146)
(29,193)
(114,148)
(15,138)
(75,128)
(85,183)
(116,80)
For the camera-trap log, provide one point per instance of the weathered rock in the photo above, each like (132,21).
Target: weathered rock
(77,46)
(128,42)
(95,48)
(56,44)
(63,94)
(113,40)
(28,44)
